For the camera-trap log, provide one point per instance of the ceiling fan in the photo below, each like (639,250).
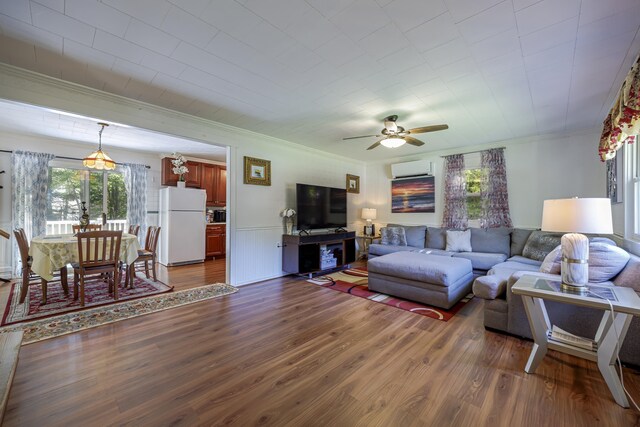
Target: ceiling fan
(395,136)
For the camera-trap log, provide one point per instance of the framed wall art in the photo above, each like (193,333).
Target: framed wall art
(614,168)
(257,171)
(353,184)
(413,195)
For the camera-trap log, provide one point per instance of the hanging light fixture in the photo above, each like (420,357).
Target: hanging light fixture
(99,159)
(393,142)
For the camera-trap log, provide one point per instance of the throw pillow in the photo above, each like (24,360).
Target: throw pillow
(539,244)
(605,261)
(436,238)
(415,234)
(552,261)
(393,236)
(458,241)
(630,274)
(519,238)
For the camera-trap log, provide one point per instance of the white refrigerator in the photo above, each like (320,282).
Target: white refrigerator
(183,222)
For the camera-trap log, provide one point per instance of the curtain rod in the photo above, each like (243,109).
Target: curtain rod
(68,158)
(477,151)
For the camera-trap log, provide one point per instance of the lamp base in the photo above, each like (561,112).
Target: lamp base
(575,260)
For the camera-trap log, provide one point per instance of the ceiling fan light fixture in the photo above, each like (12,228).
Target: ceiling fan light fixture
(99,159)
(393,142)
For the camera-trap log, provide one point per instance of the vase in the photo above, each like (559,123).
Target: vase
(288,222)
(180,184)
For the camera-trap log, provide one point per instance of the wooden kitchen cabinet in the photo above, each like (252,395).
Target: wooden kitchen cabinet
(193,178)
(214,180)
(216,240)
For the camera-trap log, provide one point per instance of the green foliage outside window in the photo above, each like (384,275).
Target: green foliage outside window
(67,191)
(473,178)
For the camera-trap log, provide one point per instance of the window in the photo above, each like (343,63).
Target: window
(473,178)
(100,190)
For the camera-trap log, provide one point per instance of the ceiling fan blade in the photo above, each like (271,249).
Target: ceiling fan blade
(374,145)
(356,137)
(413,141)
(432,128)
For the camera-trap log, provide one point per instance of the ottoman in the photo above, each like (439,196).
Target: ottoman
(431,279)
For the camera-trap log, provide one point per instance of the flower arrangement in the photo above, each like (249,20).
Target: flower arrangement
(179,167)
(287,213)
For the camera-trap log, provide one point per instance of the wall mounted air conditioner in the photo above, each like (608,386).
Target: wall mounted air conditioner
(410,169)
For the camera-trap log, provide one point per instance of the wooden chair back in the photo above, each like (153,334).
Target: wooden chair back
(90,227)
(23,246)
(99,249)
(134,229)
(151,242)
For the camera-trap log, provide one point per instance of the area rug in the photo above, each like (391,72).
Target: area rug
(354,282)
(56,326)
(96,294)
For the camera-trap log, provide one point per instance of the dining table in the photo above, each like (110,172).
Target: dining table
(53,252)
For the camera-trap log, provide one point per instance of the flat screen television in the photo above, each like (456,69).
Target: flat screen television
(321,207)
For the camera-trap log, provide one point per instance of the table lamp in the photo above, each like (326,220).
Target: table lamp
(369,214)
(575,216)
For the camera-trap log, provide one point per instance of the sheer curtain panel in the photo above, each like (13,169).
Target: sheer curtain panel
(135,182)
(455,193)
(29,190)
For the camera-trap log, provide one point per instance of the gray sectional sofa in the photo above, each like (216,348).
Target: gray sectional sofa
(499,257)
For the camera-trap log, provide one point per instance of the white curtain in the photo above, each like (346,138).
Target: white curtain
(135,181)
(29,189)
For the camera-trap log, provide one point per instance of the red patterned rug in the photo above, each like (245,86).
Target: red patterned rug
(354,282)
(96,294)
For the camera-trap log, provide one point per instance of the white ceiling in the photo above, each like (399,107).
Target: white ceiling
(30,120)
(315,71)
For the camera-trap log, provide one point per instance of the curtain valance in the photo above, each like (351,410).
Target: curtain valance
(622,124)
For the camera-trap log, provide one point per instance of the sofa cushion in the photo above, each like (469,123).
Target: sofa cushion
(379,249)
(630,275)
(551,263)
(496,240)
(393,236)
(436,238)
(489,287)
(415,234)
(605,261)
(540,243)
(435,270)
(523,260)
(458,241)
(504,270)
(439,252)
(481,260)
(519,238)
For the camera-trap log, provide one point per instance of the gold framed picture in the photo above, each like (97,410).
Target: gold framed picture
(257,171)
(353,184)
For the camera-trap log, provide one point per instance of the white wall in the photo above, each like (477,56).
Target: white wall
(253,225)
(537,169)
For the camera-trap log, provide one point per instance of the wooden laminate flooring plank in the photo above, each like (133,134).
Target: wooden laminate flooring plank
(287,352)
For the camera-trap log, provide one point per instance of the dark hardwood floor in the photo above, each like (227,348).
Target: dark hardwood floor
(287,352)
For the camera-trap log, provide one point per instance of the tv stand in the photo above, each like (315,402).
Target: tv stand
(304,232)
(303,254)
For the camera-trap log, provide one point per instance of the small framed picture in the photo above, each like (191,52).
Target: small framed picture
(257,171)
(353,184)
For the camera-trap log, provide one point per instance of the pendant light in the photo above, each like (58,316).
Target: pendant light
(99,159)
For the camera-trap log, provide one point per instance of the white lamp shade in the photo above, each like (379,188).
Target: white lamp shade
(589,215)
(392,142)
(369,213)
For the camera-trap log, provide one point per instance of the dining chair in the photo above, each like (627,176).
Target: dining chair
(146,255)
(90,227)
(28,278)
(134,229)
(98,255)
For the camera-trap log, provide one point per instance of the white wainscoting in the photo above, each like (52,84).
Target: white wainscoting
(256,254)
